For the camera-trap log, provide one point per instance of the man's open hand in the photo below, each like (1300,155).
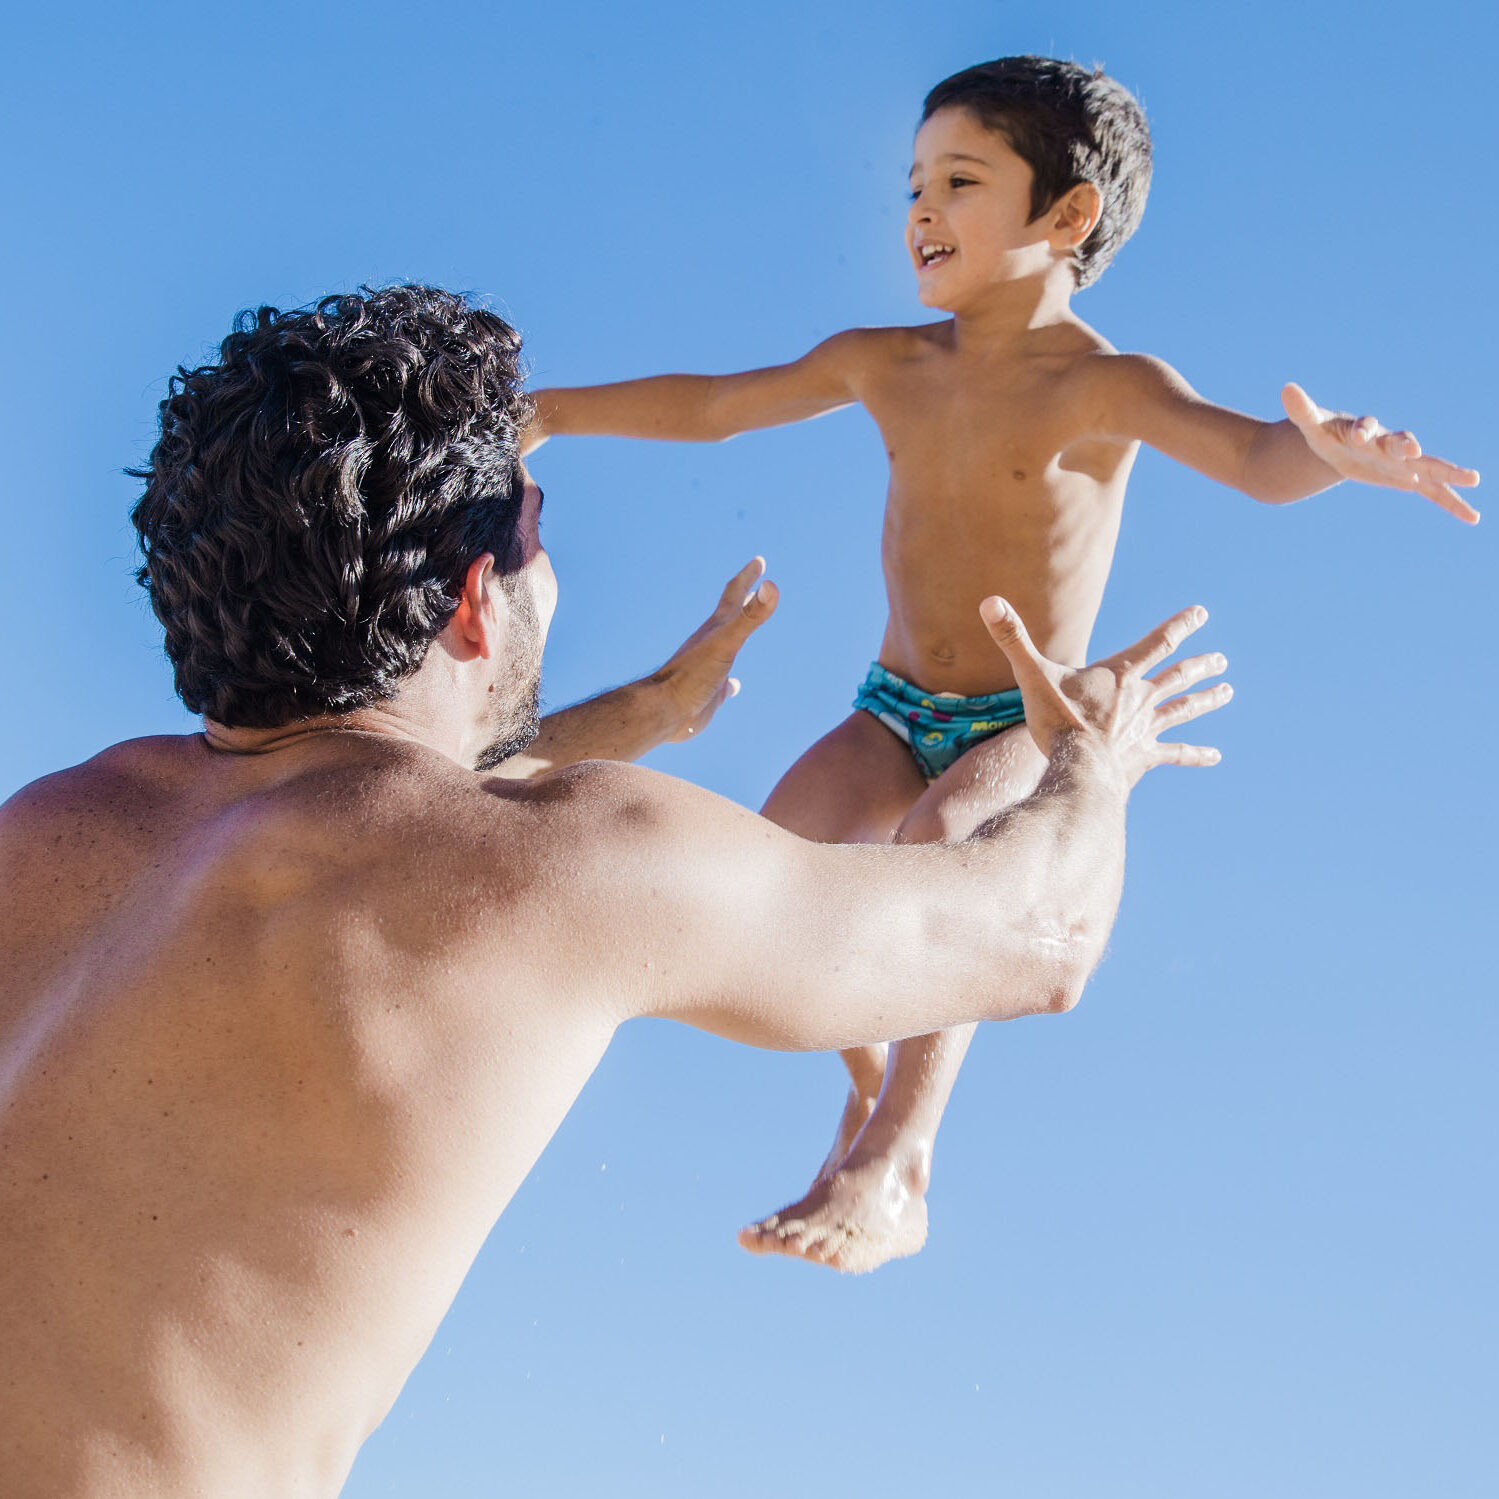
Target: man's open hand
(697,678)
(1112,703)
(1360,448)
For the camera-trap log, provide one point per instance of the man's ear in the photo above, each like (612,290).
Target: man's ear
(476,623)
(1075,216)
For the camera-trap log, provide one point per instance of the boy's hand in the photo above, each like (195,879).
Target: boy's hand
(696,680)
(1359,448)
(1112,703)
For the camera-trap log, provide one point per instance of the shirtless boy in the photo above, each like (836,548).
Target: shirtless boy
(1011,428)
(289,1007)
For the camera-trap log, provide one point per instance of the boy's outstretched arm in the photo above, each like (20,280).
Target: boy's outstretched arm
(707,408)
(1144,399)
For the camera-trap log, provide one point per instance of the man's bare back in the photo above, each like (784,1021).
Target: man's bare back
(289,1008)
(267,1089)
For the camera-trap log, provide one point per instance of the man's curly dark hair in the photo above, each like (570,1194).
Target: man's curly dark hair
(316,497)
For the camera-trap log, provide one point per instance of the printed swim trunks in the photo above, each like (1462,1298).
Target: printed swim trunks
(937,726)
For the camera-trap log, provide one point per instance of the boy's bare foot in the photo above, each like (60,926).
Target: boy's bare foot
(853,1219)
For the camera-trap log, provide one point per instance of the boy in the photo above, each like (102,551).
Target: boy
(1011,428)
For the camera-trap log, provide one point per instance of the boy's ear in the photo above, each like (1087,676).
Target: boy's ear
(1075,216)
(476,621)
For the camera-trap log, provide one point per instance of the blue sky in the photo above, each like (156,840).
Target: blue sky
(1226,1230)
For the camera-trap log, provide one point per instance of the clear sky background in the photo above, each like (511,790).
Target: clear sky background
(1227,1230)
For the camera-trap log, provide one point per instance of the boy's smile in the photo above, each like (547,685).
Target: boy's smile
(969,223)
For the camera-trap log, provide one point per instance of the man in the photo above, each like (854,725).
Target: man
(289,1008)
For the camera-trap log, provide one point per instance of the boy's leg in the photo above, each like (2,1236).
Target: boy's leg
(855,785)
(871,1206)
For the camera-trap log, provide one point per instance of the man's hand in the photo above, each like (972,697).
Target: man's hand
(1360,448)
(696,680)
(1112,703)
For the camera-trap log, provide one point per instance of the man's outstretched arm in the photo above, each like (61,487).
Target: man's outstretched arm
(669,705)
(731,924)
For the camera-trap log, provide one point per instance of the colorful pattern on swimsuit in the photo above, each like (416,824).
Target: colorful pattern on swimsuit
(938,726)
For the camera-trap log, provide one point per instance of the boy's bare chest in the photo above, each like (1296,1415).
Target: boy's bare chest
(953,425)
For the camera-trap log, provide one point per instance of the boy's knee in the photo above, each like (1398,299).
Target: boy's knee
(923,824)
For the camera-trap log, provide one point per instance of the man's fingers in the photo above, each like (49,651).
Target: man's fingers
(1185,673)
(736,590)
(1184,709)
(760,605)
(1008,632)
(739,615)
(1162,641)
(1186,754)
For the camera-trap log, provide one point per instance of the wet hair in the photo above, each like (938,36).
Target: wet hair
(1069,125)
(315,498)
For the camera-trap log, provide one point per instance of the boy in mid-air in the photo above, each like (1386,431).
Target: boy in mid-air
(1011,428)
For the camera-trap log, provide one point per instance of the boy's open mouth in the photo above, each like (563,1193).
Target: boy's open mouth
(934,253)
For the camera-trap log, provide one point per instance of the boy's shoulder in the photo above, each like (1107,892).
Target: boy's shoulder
(865,350)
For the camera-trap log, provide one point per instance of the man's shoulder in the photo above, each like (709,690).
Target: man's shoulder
(593,801)
(131,766)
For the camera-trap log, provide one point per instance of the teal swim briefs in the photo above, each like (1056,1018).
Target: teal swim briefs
(936,726)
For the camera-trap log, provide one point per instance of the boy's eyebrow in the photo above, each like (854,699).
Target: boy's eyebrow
(955,156)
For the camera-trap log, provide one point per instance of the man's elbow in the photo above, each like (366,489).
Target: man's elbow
(1066,975)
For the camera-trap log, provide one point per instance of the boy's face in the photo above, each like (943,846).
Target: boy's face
(970,200)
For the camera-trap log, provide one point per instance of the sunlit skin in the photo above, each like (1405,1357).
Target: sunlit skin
(286,1015)
(1011,427)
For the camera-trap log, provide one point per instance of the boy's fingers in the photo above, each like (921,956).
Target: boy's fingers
(1448,473)
(1299,406)
(1449,499)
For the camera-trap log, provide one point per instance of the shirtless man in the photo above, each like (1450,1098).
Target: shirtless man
(288,1008)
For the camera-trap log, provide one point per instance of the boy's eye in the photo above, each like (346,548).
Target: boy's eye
(960,181)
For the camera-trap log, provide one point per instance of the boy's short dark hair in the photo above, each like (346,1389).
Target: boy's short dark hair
(1069,125)
(316,497)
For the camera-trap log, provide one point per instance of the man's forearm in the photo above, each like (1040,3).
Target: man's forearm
(1060,856)
(618,725)
(1279,466)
